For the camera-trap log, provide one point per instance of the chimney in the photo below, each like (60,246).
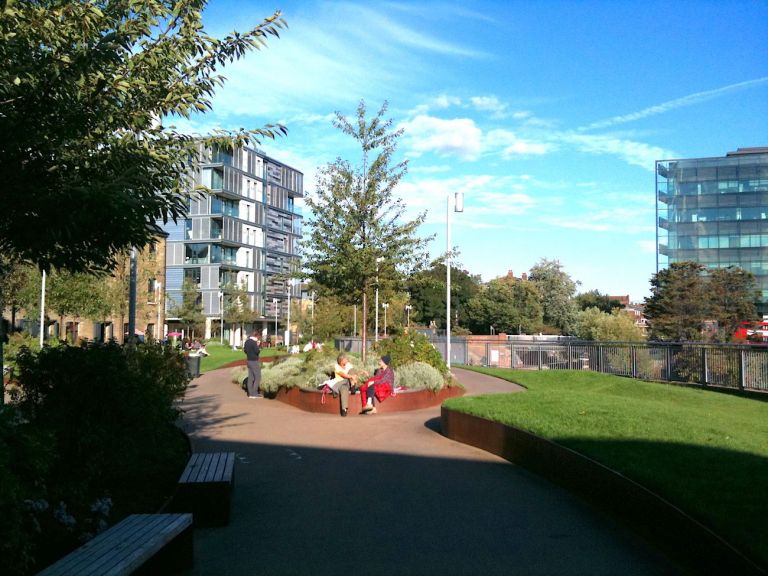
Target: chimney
(510,274)
(524,276)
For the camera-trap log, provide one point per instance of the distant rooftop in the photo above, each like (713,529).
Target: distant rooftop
(744,151)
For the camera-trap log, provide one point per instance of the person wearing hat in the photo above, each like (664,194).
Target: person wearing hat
(379,387)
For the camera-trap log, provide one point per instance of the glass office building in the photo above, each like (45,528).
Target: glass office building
(244,232)
(714,211)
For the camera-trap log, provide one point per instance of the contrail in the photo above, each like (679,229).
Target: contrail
(676,103)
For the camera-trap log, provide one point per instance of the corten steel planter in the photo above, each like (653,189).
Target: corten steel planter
(312,400)
(671,529)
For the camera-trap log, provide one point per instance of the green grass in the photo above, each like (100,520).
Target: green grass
(704,451)
(223,355)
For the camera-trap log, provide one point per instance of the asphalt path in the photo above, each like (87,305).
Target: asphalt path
(317,494)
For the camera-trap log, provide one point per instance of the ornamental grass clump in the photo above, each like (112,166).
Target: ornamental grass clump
(419,376)
(284,373)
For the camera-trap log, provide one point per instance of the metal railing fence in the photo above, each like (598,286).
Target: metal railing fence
(740,367)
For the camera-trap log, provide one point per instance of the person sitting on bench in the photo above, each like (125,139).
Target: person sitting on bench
(379,387)
(343,380)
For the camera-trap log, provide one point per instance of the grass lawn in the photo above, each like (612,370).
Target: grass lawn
(704,451)
(222,355)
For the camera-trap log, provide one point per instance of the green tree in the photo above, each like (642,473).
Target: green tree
(678,307)
(76,294)
(237,306)
(509,305)
(616,326)
(357,233)
(190,310)
(557,291)
(331,317)
(732,296)
(427,289)
(85,86)
(593,299)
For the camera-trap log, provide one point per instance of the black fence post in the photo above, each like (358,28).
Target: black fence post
(633,360)
(540,357)
(742,369)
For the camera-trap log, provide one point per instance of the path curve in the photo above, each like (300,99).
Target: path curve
(387,494)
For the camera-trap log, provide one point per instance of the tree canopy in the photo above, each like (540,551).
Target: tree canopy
(358,235)
(557,289)
(427,290)
(509,305)
(88,166)
(615,326)
(594,299)
(685,297)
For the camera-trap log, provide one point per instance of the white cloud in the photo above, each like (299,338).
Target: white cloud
(489,104)
(676,103)
(440,102)
(512,145)
(636,153)
(429,169)
(458,137)
(486,198)
(647,246)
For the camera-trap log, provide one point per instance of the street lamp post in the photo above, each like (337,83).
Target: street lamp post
(313,316)
(376,303)
(42,311)
(160,306)
(385,306)
(458,206)
(221,317)
(274,304)
(291,284)
(408,309)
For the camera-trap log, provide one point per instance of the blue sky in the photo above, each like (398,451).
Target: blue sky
(547,115)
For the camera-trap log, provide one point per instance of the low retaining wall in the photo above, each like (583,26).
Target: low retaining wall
(311,400)
(243,361)
(667,526)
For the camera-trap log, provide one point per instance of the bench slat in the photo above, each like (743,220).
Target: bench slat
(122,548)
(206,474)
(74,562)
(146,548)
(217,473)
(229,469)
(191,467)
(206,467)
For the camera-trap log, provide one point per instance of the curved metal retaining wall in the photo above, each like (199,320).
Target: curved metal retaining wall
(312,400)
(671,529)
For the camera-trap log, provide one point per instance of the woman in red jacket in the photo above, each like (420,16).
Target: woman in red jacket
(379,387)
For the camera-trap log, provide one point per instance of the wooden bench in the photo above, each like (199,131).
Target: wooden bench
(205,488)
(154,543)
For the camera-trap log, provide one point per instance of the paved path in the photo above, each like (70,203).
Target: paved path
(317,494)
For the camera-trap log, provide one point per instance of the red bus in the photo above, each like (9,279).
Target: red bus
(752,331)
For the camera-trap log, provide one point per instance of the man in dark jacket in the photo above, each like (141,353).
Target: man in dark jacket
(252,351)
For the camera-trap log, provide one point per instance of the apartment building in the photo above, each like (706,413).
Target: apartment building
(242,231)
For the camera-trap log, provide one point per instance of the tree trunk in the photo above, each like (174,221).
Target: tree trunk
(364,351)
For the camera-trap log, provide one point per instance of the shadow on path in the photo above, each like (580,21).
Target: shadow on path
(318,494)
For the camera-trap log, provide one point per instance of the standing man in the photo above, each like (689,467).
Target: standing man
(252,351)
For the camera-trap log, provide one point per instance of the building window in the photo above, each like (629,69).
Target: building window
(192,275)
(196,253)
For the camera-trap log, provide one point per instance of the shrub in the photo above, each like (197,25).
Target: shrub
(419,376)
(281,373)
(239,374)
(412,347)
(107,419)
